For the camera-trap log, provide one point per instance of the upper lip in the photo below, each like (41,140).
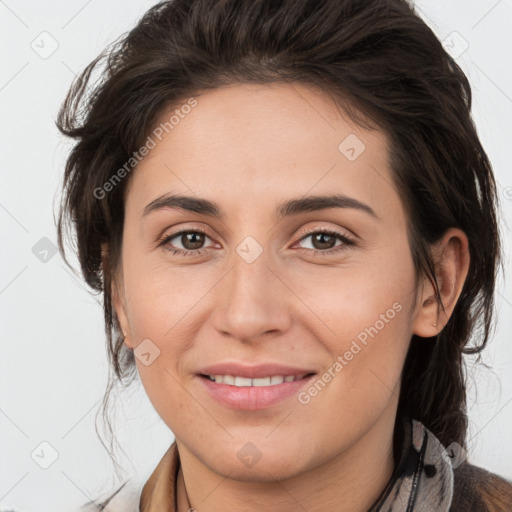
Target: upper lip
(253,372)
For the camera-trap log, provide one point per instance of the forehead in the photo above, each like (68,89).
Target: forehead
(252,144)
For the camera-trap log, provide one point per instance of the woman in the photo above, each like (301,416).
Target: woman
(293,224)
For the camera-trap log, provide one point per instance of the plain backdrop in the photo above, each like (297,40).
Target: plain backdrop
(53,365)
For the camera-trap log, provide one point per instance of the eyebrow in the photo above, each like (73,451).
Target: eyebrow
(285,209)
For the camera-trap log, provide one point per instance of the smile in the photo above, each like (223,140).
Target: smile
(259,382)
(243,393)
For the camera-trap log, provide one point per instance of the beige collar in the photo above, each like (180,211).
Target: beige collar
(159,492)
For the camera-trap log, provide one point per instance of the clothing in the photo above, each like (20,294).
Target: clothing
(423,480)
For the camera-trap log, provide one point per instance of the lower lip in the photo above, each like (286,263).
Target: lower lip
(252,398)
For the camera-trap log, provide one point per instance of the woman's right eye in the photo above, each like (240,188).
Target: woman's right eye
(194,238)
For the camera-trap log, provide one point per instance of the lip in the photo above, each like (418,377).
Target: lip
(252,398)
(255,371)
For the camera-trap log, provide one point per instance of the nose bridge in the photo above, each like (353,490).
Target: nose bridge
(251,302)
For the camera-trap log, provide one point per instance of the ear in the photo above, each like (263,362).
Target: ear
(451,259)
(118,299)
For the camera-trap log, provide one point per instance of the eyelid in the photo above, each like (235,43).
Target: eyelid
(348,235)
(346,239)
(183,229)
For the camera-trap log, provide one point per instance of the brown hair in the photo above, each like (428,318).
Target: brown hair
(376,58)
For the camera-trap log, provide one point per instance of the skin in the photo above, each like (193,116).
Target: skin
(248,148)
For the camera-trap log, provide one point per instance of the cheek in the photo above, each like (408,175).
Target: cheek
(346,299)
(159,299)
(367,310)
(376,290)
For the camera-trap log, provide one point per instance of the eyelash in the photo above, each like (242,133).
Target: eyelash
(316,252)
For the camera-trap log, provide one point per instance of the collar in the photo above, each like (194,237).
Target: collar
(159,492)
(422,479)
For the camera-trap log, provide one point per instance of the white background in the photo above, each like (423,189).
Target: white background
(53,365)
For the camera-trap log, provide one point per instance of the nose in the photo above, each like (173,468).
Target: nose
(252,300)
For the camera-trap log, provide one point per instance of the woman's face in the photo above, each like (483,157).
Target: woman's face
(263,286)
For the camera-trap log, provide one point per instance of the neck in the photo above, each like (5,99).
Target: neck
(349,481)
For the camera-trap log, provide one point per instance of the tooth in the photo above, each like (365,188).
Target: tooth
(242,381)
(258,382)
(263,381)
(229,379)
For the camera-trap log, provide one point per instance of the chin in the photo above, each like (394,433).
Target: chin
(262,461)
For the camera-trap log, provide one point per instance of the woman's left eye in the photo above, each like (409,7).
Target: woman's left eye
(323,241)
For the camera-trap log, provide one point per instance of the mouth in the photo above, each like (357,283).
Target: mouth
(253,394)
(238,381)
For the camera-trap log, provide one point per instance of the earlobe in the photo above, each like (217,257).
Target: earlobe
(121,315)
(451,258)
(427,319)
(117,303)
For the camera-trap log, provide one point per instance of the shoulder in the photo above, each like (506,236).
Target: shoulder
(477,490)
